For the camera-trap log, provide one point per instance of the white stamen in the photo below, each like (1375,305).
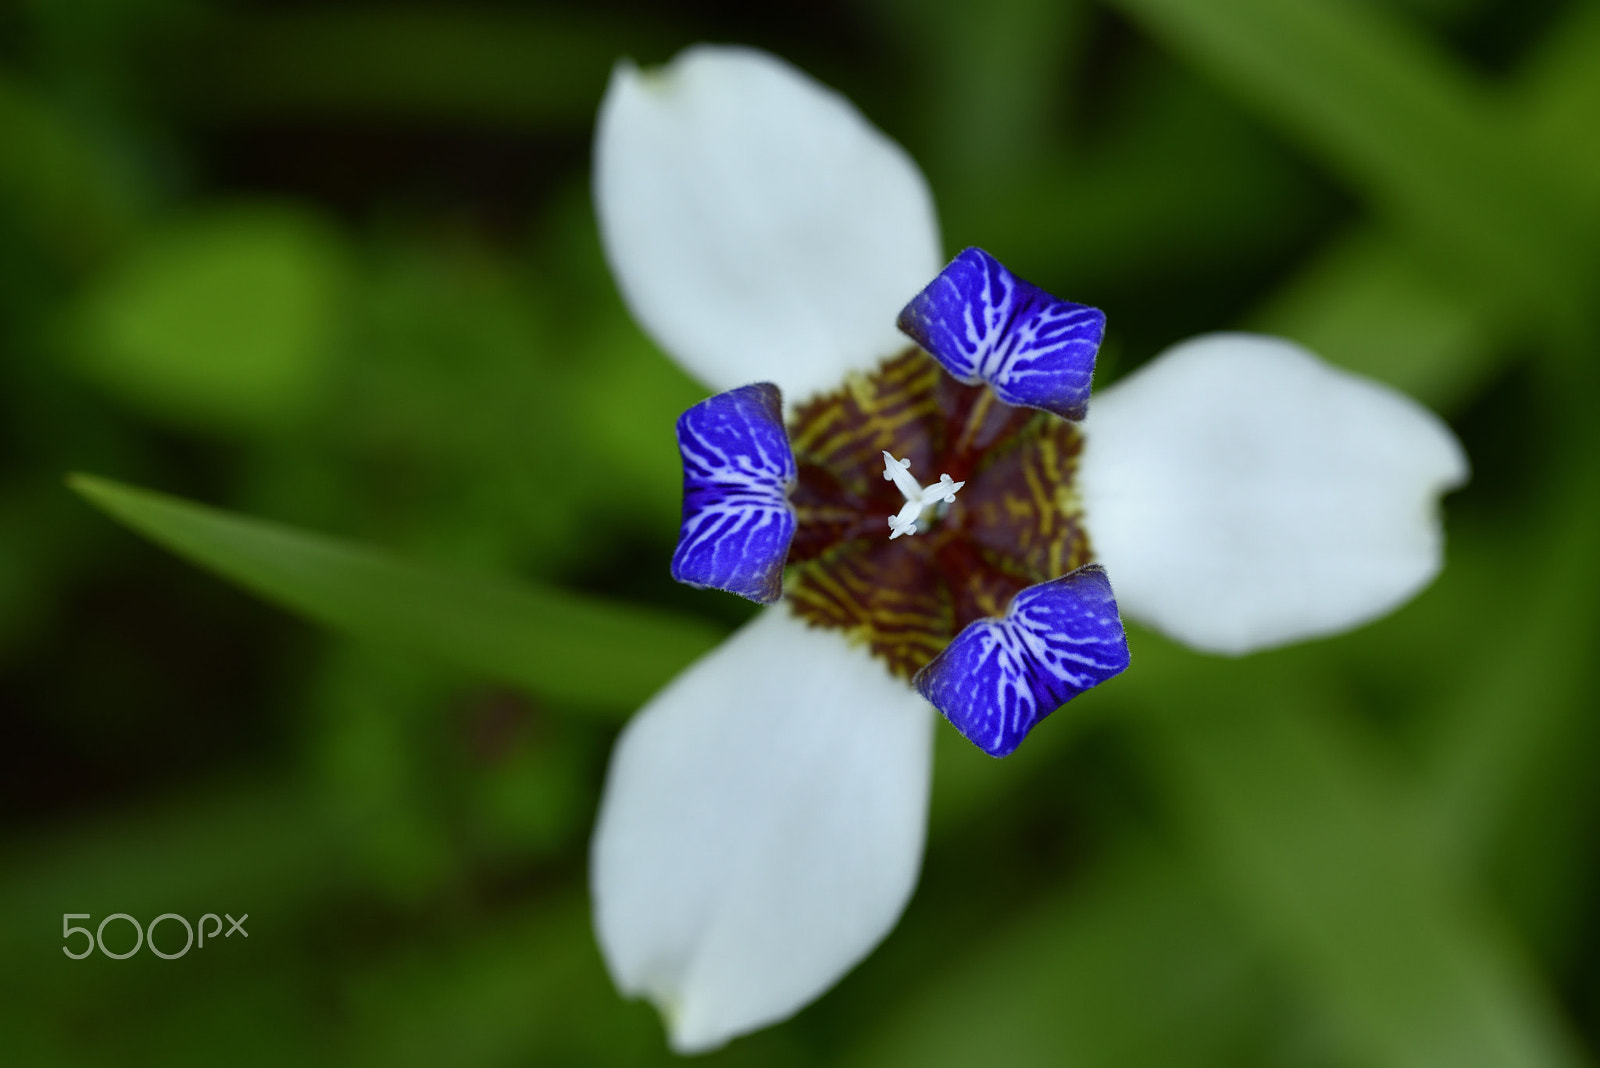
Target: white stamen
(945,491)
(899,472)
(906,521)
(917,497)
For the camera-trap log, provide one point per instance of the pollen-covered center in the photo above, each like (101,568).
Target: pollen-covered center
(1014,522)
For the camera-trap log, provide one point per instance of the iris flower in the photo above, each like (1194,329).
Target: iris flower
(763,818)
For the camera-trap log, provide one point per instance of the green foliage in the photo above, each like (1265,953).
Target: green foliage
(474,66)
(225,320)
(556,644)
(1137,965)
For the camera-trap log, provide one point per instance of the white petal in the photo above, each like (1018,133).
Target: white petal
(761,828)
(1242,493)
(759,227)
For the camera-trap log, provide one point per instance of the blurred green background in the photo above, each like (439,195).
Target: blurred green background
(334,265)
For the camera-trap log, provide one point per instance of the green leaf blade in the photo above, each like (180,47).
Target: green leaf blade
(1306,829)
(559,645)
(1410,128)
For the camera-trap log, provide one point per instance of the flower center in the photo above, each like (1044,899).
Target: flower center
(1016,523)
(918,499)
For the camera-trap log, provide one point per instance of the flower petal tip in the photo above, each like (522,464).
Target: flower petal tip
(983,323)
(761,829)
(1000,677)
(1248,494)
(758,226)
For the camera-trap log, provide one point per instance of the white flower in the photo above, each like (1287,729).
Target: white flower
(764,815)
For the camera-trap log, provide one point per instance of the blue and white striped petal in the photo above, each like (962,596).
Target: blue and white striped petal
(984,324)
(737,472)
(999,677)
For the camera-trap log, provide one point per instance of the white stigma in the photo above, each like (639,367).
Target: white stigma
(917,496)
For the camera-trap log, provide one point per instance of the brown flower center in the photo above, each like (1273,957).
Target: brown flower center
(1017,521)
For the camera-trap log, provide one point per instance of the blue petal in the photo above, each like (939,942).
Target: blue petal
(999,677)
(984,324)
(737,470)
